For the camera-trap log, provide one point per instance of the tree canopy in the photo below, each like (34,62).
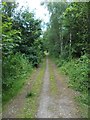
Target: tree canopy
(68,30)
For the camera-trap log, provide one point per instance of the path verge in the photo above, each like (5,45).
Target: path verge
(14,108)
(32,100)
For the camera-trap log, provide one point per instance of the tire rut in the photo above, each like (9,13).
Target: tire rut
(44,99)
(14,107)
(62,105)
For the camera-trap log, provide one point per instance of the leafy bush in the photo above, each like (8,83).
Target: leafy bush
(22,47)
(13,67)
(77,70)
(15,70)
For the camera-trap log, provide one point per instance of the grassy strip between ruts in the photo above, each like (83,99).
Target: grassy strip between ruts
(53,86)
(32,99)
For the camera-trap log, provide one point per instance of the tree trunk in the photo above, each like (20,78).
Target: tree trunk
(70,45)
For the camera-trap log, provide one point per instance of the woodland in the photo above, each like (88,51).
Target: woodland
(25,45)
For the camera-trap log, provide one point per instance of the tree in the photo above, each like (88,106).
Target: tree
(68,29)
(55,28)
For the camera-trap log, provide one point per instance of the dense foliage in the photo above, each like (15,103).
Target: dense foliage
(22,46)
(77,70)
(67,39)
(68,29)
(21,33)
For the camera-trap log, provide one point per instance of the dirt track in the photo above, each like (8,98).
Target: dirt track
(61,105)
(15,106)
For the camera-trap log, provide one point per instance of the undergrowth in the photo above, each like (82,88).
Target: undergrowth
(77,70)
(15,71)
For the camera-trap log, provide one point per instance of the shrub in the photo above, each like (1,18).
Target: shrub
(13,67)
(77,70)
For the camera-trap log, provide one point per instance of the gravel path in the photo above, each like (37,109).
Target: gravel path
(61,105)
(44,101)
